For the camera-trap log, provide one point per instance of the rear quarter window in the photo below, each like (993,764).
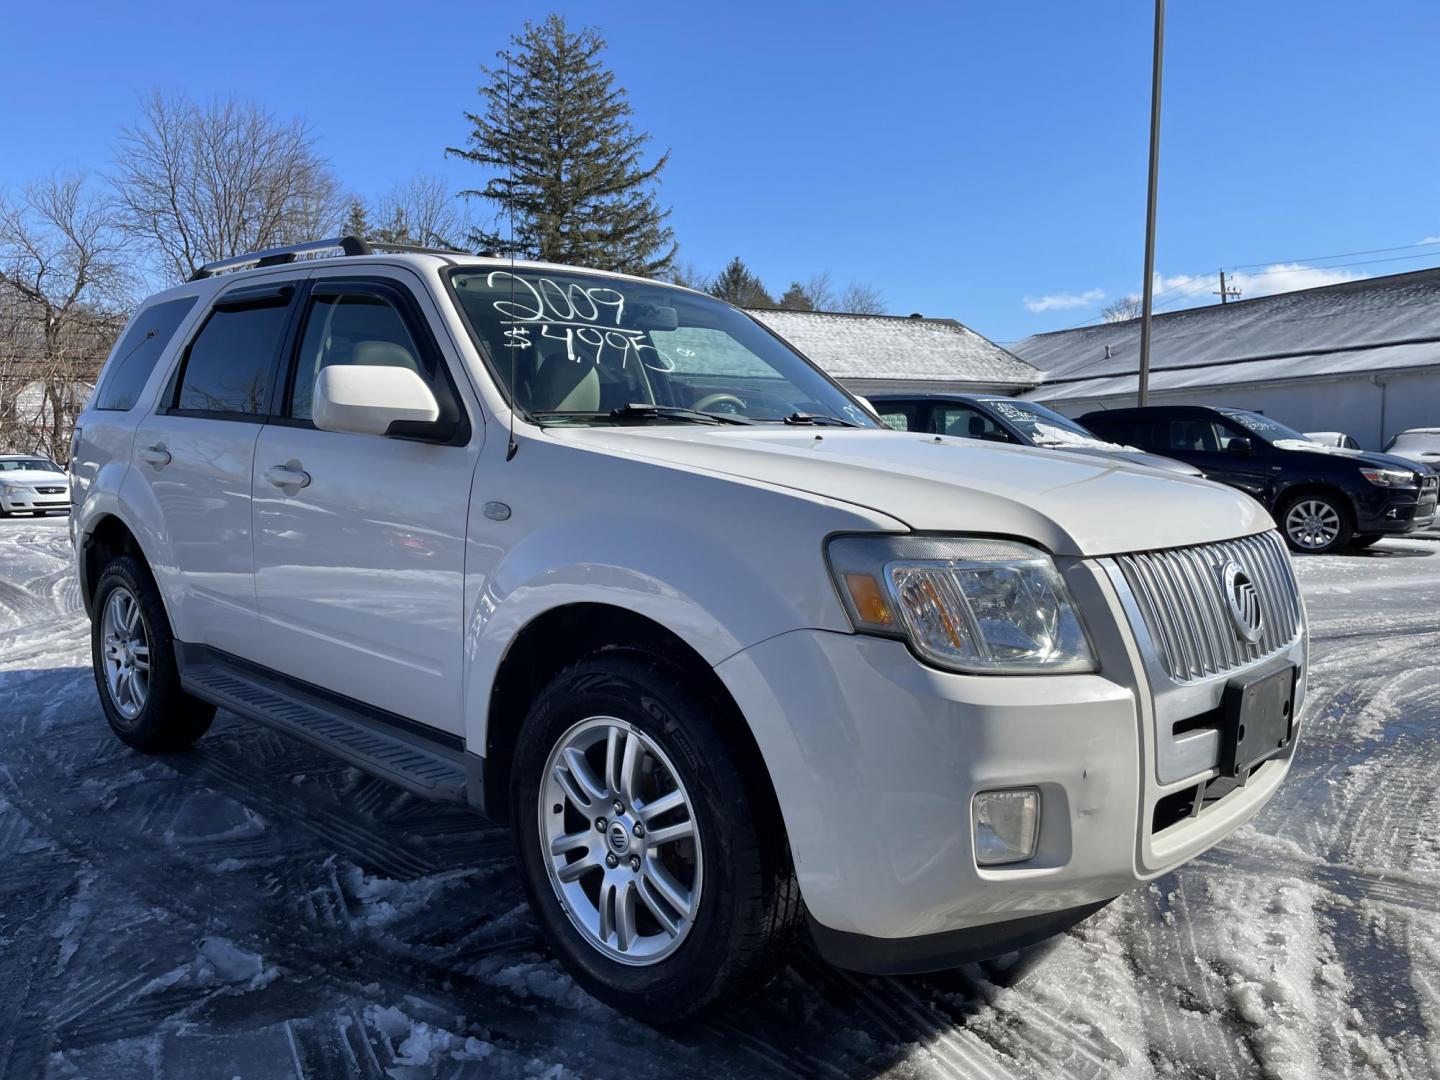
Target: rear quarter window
(137,353)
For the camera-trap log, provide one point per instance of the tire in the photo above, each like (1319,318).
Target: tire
(154,714)
(1316,523)
(1359,543)
(735,866)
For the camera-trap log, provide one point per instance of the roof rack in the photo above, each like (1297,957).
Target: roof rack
(278,256)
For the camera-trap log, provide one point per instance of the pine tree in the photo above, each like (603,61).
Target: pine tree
(796,298)
(567,163)
(357,220)
(738,286)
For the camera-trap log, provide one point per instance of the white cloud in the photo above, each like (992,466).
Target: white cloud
(1431,240)
(1192,290)
(1064,301)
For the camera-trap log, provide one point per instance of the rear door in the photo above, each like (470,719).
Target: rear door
(195,455)
(360,539)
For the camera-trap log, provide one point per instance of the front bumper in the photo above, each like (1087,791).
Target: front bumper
(1398,511)
(876,758)
(20,501)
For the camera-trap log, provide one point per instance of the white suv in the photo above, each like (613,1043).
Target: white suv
(611,561)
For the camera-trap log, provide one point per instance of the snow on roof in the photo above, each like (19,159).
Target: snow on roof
(894,348)
(1370,325)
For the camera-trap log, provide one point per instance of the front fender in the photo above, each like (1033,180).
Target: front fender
(721,564)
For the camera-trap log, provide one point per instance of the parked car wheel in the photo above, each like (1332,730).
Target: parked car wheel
(1316,523)
(656,874)
(133,655)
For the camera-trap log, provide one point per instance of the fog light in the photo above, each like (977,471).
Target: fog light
(1007,825)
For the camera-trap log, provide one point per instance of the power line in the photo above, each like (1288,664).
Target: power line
(1290,269)
(1340,255)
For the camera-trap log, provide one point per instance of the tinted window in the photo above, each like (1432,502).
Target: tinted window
(360,328)
(229,365)
(137,353)
(967,423)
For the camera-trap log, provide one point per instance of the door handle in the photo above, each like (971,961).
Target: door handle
(284,476)
(154,455)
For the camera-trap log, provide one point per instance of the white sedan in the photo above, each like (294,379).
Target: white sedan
(33,485)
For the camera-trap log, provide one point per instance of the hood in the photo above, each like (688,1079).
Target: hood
(1138,457)
(1360,457)
(1072,504)
(34,476)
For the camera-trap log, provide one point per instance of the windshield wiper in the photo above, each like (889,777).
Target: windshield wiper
(819,419)
(646,411)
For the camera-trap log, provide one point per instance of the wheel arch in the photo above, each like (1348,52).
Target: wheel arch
(1314,487)
(104,539)
(562,635)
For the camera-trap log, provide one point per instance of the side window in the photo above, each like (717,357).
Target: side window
(137,353)
(357,328)
(229,365)
(967,423)
(900,415)
(1197,436)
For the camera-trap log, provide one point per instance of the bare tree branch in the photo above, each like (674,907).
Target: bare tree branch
(203,182)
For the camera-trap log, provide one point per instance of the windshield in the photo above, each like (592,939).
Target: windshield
(1043,426)
(1271,431)
(574,347)
(28,465)
(1414,440)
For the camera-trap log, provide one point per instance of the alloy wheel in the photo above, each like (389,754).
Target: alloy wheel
(620,841)
(126,642)
(1312,524)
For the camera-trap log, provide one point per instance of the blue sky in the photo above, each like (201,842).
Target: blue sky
(983,161)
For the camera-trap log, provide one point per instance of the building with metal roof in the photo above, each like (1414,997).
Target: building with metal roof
(872,354)
(1362,357)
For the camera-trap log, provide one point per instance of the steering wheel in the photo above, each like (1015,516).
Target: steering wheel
(732,404)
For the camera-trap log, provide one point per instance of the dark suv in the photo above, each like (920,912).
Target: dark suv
(1323,497)
(1007,420)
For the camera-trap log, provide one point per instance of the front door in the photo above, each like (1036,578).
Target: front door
(360,539)
(1206,443)
(194,457)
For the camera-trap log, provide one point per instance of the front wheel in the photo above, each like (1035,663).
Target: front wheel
(1316,524)
(655,871)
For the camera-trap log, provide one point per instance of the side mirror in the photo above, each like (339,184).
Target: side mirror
(1240,446)
(368,400)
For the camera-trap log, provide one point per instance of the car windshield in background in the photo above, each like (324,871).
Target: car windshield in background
(1043,426)
(577,348)
(28,465)
(1271,431)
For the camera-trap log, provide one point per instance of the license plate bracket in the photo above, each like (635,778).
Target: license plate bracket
(1258,710)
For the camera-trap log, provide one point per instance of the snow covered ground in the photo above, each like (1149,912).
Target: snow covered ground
(254,909)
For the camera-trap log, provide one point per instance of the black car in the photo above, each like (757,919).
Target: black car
(1007,420)
(1323,497)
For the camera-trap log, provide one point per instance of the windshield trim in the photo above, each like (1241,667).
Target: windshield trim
(448,274)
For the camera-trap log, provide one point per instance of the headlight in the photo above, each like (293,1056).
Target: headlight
(971,605)
(12,486)
(1391,478)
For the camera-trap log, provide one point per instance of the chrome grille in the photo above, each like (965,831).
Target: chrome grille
(1179,592)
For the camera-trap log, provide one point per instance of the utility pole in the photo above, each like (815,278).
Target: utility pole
(1224,293)
(1148,296)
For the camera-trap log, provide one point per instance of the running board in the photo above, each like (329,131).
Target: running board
(393,748)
